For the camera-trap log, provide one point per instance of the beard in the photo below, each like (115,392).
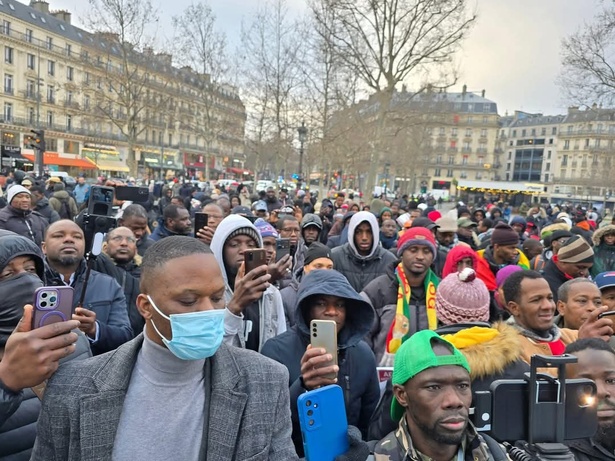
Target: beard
(67,261)
(605,436)
(436,432)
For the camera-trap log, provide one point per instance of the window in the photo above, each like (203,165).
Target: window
(51,67)
(8,83)
(454,132)
(86,78)
(31,116)
(548,167)
(8,111)
(554,130)
(470,119)
(509,155)
(567,144)
(464,160)
(69,49)
(51,94)
(564,160)
(69,97)
(479,175)
(548,155)
(86,102)
(8,55)
(49,118)
(49,43)
(31,61)
(523,132)
(508,167)
(533,131)
(70,73)
(29,35)
(514,133)
(441,130)
(468,132)
(550,140)
(449,173)
(569,129)
(485,120)
(596,142)
(69,122)
(543,132)
(546,178)
(483,133)
(30,89)
(437,172)
(451,160)
(6,27)
(586,143)
(170,139)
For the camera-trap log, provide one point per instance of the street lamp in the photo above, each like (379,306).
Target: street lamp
(302,131)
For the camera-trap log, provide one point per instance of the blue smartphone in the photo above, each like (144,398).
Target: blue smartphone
(324,428)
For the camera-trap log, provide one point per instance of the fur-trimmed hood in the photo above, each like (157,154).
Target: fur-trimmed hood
(601,232)
(494,355)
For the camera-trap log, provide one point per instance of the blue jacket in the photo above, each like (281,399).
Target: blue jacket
(357,374)
(105,297)
(161,231)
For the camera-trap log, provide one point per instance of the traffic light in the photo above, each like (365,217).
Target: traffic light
(37,140)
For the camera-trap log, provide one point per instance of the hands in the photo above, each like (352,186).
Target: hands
(595,327)
(298,212)
(31,356)
(87,321)
(205,235)
(280,269)
(317,368)
(248,288)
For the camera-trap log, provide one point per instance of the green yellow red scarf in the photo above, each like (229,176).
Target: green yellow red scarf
(400,328)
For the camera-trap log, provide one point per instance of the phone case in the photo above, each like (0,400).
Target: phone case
(200,221)
(323,333)
(324,428)
(282,248)
(254,259)
(52,305)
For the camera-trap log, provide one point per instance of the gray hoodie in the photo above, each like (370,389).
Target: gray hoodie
(271,310)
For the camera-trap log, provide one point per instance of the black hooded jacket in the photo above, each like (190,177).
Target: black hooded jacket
(357,366)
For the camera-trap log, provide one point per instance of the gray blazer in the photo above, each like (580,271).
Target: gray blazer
(249,412)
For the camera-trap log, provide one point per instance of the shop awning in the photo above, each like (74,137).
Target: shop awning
(53,158)
(15,156)
(500,186)
(110,165)
(241,171)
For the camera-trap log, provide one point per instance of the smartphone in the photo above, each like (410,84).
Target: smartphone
(132,193)
(101,200)
(254,258)
(52,305)
(200,221)
(282,248)
(605,314)
(323,334)
(324,427)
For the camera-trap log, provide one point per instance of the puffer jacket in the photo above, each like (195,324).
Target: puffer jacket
(43,207)
(270,310)
(357,366)
(360,270)
(604,255)
(29,224)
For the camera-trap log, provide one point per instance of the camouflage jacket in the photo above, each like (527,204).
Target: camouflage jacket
(397,446)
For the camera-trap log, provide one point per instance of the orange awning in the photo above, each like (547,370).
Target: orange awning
(53,158)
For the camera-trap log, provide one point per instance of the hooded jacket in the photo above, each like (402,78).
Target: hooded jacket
(357,366)
(43,207)
(360,270)
(604,255)
(269,309)
(30,224)
(58,197)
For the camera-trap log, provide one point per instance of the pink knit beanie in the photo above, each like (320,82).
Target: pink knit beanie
(461,298)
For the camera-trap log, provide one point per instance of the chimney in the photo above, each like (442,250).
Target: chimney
(165,58)
(464,90)
(483,93)
(62,15)
(40,5)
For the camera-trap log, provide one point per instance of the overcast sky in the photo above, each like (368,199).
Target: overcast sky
(513,52)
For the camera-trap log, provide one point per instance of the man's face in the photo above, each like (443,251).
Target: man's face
(557,244)
(214,215)
(36,196)
(395,209)
(363,238)
(269,244)
(609,239)
(181,224)
(437,403)
(533,250)
(290,230)
(505,253)
(445,238)
(310,234)
(21,201)
(575,270)
(599,366)
(517,227)
(608,297)
(465,231)
(234,249)
(320,263)
(326,307)
(583,298)
(178,202)
(536,308)
(415,214)
(283,195)
(64,243)
(270,193)
(121,245)
(479,215)
(200,288)
(136,224)
(339,201)
(81,181)
(416,259)
(389,228)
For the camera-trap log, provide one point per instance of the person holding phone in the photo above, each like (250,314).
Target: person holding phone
(327,295)
(254,307)
(214,218)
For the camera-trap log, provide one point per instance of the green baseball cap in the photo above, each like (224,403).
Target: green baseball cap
(416,355)
(466,222)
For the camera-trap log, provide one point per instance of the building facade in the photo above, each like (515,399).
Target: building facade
(101,103)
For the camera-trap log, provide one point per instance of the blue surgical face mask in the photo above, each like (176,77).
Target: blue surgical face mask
(196,335)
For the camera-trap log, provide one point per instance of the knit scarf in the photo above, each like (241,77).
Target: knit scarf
(400,328)
(553,334)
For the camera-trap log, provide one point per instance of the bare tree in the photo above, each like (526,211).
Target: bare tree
(387,42)
(122,53)
(588,61)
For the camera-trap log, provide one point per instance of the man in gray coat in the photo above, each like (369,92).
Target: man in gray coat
(170,393)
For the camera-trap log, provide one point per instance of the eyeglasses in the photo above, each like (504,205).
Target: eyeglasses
(291,231)
(121,238)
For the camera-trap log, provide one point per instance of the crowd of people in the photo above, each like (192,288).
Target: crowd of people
(176,351)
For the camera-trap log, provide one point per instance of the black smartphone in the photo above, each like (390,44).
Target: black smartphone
(606,314)
(200,221)
(254,258)
(101,200)
(132,193)
(282,248)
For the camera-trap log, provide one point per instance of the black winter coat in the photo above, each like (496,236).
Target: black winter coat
(588,450)
(29,224)
(357,374)
(555,277)
(360,271)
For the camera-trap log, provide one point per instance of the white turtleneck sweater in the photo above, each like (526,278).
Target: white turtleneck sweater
(162,417)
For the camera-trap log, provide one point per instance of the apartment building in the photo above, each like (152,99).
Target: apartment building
(98,113)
